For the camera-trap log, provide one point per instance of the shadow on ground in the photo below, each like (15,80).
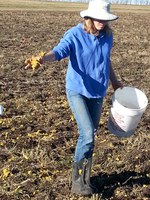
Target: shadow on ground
(106,184)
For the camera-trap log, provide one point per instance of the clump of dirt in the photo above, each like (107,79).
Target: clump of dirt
(38,133)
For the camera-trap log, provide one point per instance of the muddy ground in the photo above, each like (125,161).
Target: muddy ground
(37,131)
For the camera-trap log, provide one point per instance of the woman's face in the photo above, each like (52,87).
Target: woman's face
(99,24)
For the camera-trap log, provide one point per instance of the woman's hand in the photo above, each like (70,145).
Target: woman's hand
(117,85)
(34,62)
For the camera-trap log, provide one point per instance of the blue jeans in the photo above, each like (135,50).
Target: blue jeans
(87,113)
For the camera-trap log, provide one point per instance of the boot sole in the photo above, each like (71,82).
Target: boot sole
(85,193)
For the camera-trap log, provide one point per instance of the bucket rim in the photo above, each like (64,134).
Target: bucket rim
(134,109)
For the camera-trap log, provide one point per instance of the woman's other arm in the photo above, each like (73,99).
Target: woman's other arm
(113,78)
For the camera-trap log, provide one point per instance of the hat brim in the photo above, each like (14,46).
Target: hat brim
(101,16)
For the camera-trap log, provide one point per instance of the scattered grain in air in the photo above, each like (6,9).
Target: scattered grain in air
(30,135)
(107,113)
(103,141)
(48,178)
(148,175)
(136,157)
(17,188)
(72,117)
(38,132)
(42,164)
(29,172)
(33,134)
(117,192)
(94,154)
(53,131)
(6,172)
(1,143)
(65,104)
(111,145)
(11,159)
(6,135)
(25,156)
(102,122)
(13,141)
(13,129)
(117,159)
(145,186)
(108,158)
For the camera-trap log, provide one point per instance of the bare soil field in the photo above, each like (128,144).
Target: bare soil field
(37,131)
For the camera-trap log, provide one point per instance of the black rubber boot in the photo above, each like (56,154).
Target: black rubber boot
(88,171)
(81,177)
(88,175)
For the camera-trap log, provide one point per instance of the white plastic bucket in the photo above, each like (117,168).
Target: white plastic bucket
(128,105)
(1,110)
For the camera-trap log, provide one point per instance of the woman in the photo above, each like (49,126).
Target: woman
(88,46)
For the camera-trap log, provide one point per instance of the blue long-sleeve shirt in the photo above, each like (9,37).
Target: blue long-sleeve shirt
(89,61)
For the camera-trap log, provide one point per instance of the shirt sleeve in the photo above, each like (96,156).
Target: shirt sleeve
(63,49)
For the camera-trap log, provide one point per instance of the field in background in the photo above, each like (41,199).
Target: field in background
(38,133)
(63,6)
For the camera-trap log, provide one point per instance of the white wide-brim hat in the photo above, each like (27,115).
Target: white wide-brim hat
(99,9)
